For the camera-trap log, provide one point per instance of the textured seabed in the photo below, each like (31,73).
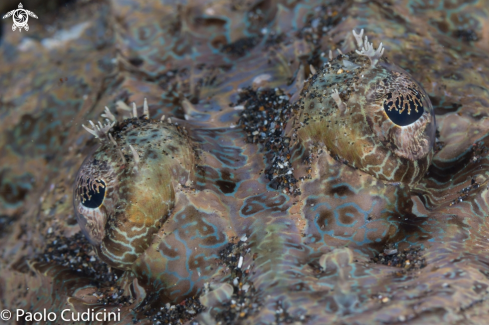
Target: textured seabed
(236,247)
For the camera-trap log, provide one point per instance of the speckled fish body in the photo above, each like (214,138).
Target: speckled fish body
(360,130)
(264,198)
(136,195)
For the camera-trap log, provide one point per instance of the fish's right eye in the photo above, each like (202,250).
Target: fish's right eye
(93,196)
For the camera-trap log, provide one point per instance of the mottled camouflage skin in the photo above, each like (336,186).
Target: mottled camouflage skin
(343,216)
(359,131)
(139,195)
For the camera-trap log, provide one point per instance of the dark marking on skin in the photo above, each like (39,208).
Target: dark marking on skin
(325,219)
(165,249)
(14,188)
(347,215)
(341,190)
(152,154)
(226,186)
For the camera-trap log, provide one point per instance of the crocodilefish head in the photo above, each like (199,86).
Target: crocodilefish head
(370,114)
(125,189)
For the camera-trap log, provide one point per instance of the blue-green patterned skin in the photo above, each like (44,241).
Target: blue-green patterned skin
(198,184)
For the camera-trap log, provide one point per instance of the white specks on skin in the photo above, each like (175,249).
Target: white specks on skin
(261,80)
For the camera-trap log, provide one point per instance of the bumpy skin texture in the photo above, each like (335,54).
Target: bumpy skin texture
(309,254)
(357,128)
(139,192)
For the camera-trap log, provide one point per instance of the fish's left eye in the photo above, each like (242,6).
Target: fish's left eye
(403,109)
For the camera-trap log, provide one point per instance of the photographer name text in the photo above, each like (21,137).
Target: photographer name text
(66,315)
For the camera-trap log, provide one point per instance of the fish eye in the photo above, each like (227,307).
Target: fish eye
(125,188)
(92,196)
(404,109)
(369,114)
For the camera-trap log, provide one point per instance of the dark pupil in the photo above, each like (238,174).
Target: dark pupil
(92,197)
(404,109)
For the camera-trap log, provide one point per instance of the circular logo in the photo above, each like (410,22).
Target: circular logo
(20,17)
(5,314)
